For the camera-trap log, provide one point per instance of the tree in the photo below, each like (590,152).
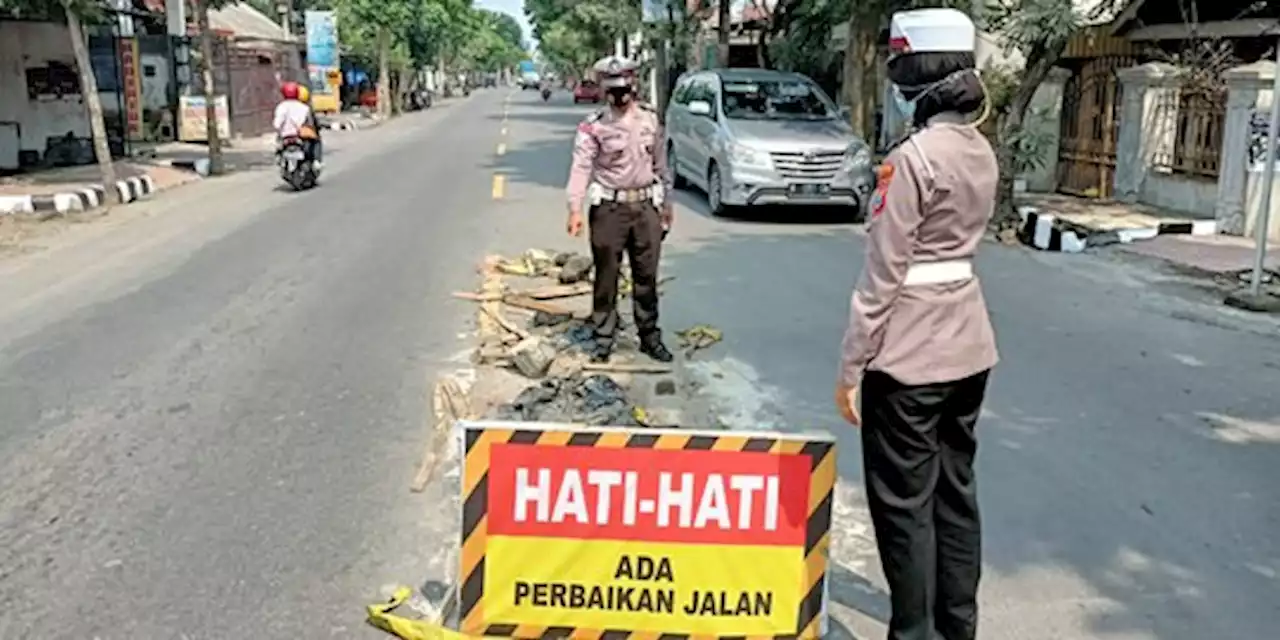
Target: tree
(506,28)
(377,26)
(213,137)
(76,13)
(1040,31)
(573,33)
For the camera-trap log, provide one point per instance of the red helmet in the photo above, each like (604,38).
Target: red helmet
(289,90)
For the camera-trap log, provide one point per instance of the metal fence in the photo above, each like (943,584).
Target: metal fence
(1197,118)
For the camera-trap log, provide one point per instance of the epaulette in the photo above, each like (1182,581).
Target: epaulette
(595,117)
(647,107)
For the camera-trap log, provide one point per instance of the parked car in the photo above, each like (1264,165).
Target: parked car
(755,137)
(586,91)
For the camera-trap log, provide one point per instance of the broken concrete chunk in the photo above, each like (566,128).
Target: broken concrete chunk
(532,357)
(665,387)
(576,269)
(544,319)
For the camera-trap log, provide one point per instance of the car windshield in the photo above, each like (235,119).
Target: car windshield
(775,100)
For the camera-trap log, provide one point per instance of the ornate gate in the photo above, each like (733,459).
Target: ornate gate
(1090,126)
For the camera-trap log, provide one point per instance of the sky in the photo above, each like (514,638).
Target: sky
(513,7)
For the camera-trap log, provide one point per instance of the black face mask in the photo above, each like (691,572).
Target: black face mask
(619,96)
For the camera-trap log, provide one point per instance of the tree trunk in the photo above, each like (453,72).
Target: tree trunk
(207,87)
(859,76)
(384,72)
(89,90)
(1039,63)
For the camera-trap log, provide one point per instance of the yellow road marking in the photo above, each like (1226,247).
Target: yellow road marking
(502,148)
(499,186)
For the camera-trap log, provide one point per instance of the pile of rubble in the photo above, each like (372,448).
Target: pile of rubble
(533,322)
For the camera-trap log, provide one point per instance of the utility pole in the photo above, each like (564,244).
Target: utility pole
(722,51)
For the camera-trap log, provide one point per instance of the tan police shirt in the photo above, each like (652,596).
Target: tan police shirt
(935,196)
(621,151)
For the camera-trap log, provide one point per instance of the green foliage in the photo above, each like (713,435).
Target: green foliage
(804,48)
(574,33)
(425,33)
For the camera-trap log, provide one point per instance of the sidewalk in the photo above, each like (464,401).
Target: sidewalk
(1188,244)
(79,188)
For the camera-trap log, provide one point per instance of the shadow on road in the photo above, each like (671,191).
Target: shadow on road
(1147,513)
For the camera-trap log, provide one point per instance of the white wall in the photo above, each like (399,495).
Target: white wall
(34,44)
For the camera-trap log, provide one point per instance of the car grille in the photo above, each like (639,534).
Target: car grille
(816,166)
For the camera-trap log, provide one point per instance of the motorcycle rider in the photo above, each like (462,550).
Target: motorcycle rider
(295,119)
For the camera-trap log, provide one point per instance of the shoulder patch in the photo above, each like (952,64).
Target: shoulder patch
(884,175)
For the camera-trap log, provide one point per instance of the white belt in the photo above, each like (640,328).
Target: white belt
(940,272)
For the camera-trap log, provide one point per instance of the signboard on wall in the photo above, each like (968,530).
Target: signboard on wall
(322,49)
(192,123)
(131,87)
(324,72)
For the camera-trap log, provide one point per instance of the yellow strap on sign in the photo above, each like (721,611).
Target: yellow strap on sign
(381,617)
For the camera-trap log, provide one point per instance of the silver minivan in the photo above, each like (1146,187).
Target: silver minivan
(756,137)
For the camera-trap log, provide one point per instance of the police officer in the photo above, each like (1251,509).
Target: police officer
(919,341)
(620,173)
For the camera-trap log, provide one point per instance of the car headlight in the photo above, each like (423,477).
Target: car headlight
(857,157)
(743,155)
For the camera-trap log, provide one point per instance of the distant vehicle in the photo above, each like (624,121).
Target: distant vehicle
(756,137)
(586,91)
(530,80)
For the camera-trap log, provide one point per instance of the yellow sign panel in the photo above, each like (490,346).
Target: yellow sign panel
(576,532)
(604,584)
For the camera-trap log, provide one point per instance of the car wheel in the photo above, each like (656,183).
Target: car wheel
(676,180)
(715,191)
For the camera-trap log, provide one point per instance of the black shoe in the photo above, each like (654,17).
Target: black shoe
(653,347)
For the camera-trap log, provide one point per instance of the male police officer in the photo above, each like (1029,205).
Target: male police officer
(620,172)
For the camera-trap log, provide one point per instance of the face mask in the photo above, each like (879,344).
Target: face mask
(619,96)
(906,107)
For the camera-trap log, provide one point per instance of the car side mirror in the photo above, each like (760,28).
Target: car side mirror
(700,108)
(846,113)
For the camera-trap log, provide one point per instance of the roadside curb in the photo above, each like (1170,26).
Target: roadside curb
(129,189)
(1049,232)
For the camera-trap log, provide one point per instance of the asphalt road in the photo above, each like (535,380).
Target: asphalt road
(211,406)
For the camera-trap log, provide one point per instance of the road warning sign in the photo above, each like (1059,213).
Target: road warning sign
(606,533)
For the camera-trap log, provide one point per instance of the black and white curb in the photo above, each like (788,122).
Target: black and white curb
(1042,231)
(344,125)
(129,189)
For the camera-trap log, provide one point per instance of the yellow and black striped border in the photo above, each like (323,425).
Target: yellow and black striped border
(475,483)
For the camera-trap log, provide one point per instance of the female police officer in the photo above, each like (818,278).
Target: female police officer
(919,340)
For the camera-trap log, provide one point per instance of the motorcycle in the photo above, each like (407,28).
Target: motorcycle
(295,168)
(419,99)
(546,94)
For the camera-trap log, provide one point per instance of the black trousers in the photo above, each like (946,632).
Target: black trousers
(633,228)
(918,447)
